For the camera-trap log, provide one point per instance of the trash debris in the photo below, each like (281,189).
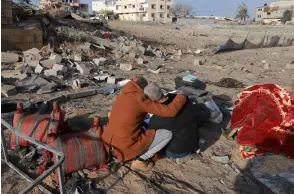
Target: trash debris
(108,90)
(39,69)
(111,80)
(140,61)
(190,78)
(76,84)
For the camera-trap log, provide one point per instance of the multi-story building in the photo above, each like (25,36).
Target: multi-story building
(144,10)
(274,11)
(100,5)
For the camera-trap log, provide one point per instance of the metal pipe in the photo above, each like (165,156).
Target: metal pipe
(3,146)
(59,155)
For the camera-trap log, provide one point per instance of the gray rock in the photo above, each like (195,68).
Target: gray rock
(77,57)
(141,49)
(51,87)
(121,39)
(132,55)
(96,61)
(8,90)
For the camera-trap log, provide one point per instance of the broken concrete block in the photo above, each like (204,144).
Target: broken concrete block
(28,70)
(132,55)
(121,39)
(51,72)
(51,87)
(102,77)
(20,67)
(133,44)
(77,58)
(33,63)
(140,61)
(141,49)
(56,57)
(126,67)
(10,73)
(39,69)
(82,68)
(81,94)
(76,84)
(48,63)
(266,66)
(126,49)
(8,90)
(22,76)
(9,57)
(178,53)
(96,61)
(59,67)
(31,51)
(102,61)
(111,80)
(198,62)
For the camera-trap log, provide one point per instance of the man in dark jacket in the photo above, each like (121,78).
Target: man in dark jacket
(184,125)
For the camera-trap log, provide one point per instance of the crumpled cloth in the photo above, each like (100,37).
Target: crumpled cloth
(265,114)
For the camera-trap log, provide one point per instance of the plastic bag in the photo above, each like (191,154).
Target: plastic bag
(216,115)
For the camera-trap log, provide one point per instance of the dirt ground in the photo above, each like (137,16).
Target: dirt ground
(203,175)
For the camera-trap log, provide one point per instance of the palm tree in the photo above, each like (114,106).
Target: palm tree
(242,12)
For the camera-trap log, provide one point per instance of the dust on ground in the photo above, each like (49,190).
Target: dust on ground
(203,175)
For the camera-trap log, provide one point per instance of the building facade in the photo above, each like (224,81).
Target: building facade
(273,11)
(103,5)
(144,10)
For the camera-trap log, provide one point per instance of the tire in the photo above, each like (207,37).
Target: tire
(8,109)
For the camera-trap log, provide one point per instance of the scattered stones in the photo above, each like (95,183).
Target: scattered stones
(132,55)
(140,61)
(154,71)
(56,57)
(39,69)
(266,66)
(198,62)
(8,90)
(47,88)
(121,39)
(126,67)
(82,68)
(199,51)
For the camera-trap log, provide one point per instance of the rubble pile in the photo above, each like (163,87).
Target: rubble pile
(78,54)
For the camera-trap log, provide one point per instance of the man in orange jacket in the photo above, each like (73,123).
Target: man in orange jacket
(124,133)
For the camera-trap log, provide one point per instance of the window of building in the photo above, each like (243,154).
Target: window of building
(153,6)
(168,16)
(161,15)
(144,15)
(259,16)
(168,7)
(260,9)
(130,5)
(134,6)
(126,7)
(161,6)
(268,13)
(153,15)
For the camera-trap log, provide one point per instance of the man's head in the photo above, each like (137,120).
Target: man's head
(141,81)
(154,92)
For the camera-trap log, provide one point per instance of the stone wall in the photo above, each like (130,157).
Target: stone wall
(22,39)
(6,12)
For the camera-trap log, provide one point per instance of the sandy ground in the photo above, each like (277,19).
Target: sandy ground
(203,175)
